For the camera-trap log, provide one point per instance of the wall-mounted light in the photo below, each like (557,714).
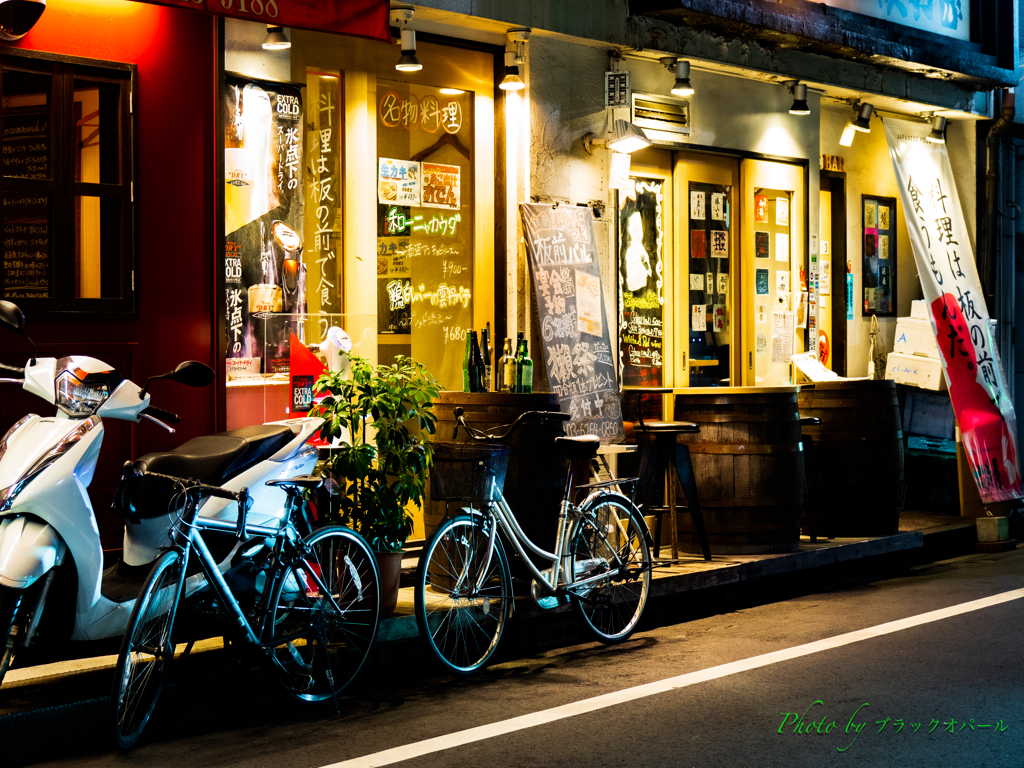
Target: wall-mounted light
(846,140)
(799,91)
(625,137)
(515,51)
(863,121)
(17,17)
(938,134)
(276,40)
(681,69)
(401,15)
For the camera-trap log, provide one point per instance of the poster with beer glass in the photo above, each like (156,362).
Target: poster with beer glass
(265,276)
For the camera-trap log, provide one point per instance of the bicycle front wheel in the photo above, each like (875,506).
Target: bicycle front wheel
(463,602)
(326,605)
(146,650)
(611,539)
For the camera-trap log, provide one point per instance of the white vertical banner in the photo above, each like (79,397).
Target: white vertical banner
(957,311)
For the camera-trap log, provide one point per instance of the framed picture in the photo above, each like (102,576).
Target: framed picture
(878,244)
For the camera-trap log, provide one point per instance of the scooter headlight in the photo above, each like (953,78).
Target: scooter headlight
(77,398)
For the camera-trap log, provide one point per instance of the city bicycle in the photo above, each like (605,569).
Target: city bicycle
(464,595)
(311,604)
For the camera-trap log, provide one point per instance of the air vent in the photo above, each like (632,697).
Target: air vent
(661,113)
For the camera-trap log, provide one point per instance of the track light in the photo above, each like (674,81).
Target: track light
(846,139)
(276,40)
(863,121)
(401,15)
(799,100)
(515,50)
(938,134)
(682,86)
(625,137)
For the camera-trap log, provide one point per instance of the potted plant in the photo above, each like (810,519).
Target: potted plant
(378,419)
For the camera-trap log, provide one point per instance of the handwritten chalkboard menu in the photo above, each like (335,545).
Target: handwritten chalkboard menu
(573,327)
(26,215)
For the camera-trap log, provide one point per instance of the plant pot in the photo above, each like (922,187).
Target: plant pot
(390,565)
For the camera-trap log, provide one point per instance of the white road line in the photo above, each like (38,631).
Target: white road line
(459,738)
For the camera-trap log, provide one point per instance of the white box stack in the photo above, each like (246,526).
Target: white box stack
(915,356)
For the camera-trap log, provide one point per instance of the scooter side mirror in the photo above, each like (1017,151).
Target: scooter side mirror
(12,318)
(192,373)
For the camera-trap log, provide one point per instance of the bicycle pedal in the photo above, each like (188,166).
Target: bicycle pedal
(544,598)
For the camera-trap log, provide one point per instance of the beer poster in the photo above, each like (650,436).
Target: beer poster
(264,273)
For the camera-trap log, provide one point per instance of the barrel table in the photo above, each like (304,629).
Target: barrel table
(749,466)
(859,446)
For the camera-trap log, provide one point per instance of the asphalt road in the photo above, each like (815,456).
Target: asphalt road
(943,692)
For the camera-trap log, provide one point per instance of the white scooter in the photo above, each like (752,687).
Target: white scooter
(50,553)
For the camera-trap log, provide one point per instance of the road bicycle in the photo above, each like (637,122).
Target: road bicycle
(312,604)
(464,595)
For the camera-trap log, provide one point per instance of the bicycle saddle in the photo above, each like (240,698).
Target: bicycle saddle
(579,448)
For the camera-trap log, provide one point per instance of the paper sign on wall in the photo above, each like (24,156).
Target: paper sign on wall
(697,206)
(588,304)
(697,282)
(699,321)
(717,206)
(718,316)
(762,313)
(782,336)
(441,187)
(825,278)
(781,211)
(709,281)
(398,181)
(782,281)
(762,245)
(723,284)
(719,244)
(761,282)
(781,246)
(618,175)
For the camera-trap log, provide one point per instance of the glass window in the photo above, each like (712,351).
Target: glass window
(424,226)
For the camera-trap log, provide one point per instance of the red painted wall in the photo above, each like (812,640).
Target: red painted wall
(175,115)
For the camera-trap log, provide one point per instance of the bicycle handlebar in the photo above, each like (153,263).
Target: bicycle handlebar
(486,435)
(191,486)
(9,369)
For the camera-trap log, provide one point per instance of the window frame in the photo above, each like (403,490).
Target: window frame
(63,188)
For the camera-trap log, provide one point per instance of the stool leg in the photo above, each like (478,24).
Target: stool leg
(684,466)
(814,487)
(672,519)
(810,499)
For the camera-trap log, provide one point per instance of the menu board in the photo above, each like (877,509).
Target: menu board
(879,266)
(562,253)
(26,215)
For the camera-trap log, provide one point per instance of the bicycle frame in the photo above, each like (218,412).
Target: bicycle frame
(216,579)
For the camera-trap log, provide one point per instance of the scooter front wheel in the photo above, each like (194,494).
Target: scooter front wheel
(146,650)
(13,620)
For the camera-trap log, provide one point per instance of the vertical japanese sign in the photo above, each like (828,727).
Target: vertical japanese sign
(263,218)
(959,318)
(323,197)
(562,253)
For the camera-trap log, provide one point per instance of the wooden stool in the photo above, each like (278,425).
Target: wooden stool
(662,453)
(813,496)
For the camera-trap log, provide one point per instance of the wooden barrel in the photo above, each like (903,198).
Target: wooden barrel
(859,447)
(536,472)
(749,467)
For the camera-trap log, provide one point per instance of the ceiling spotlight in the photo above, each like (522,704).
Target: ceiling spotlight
(799,100)
(401,15)
(682,86)
(846,140)
(625,137)
(863,121)
(515,51)
(938,134)
(276,40)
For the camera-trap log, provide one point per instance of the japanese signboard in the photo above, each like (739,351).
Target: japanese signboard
(263,218)
(957,311)
(950,18)
(361,18)
(561,247)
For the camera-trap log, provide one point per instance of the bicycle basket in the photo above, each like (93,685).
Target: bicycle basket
(473,472)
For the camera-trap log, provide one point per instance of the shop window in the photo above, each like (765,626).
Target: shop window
(424,225)
(66,185)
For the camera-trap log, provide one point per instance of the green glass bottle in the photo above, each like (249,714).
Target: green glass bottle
(527,375)
(466,359)
(519,363)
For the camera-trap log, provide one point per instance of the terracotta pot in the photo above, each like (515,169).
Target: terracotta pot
(390,565)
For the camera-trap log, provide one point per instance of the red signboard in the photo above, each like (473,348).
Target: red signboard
(362,18)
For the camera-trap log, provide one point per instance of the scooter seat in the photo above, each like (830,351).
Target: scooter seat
(214,459)
(211,459)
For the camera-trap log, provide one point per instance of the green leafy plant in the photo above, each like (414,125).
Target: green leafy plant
(378,477)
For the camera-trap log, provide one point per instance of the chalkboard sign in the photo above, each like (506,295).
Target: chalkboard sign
(26,215)
(573,326)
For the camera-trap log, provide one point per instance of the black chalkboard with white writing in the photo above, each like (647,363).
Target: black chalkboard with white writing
(26,260)
(573,325)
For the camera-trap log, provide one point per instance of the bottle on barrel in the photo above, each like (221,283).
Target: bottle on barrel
(485,348)
(517,384)
(476,365)
(506,381)
(526,375)
(466,360)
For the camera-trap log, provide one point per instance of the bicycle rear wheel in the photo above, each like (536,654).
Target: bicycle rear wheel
(335,629)
(611,538)
(462,622)
(146,650)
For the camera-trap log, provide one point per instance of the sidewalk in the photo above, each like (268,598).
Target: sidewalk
(42,699)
